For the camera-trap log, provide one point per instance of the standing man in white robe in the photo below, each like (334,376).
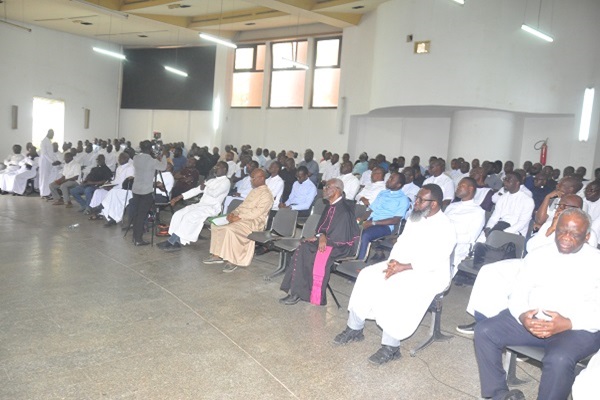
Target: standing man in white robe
(46,160)
(396,293)
(187,223)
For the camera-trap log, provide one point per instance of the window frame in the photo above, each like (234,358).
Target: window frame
(315,68)
(292,68)
(253,69)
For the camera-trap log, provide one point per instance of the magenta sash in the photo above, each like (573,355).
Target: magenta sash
(318,274)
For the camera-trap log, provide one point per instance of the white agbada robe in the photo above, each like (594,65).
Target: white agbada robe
(45,169)
(468,219)
(495,281)
(187,223)
(16,181)
(399,303)
(243,187)
(587,383)
(123,172)
(351,185)
(275,185)
(115,202)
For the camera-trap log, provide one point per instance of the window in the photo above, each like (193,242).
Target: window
(248,76)
(326,82)
(288,76)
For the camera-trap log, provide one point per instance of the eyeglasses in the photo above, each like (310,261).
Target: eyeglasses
(420,199)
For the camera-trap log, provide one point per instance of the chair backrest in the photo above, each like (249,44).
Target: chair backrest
(284,222)
(499,238)
(310,226)
(359,210)
(235,203)
(319,206)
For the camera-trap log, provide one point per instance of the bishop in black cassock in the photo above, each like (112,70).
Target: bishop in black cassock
(336,236)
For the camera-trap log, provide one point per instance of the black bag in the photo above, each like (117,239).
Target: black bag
(127,184)
(485,254)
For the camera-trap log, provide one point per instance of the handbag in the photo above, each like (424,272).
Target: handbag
(485,254)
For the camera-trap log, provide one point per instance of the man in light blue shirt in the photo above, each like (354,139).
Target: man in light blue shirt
(362,165)
(302,195)
(387,210)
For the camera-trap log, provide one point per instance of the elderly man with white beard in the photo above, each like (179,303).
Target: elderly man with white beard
(396,293)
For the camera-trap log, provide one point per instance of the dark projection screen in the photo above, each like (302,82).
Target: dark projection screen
(147,85)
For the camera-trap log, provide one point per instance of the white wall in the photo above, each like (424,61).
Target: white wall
(395,137)
(59,66)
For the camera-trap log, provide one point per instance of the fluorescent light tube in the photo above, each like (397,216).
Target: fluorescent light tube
(537,33)
(295,63)
(109,53)
(176,71)
(103,10)
(461,2)
(586,114)
(215,39)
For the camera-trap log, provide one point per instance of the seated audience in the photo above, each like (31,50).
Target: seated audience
(230,242)
(384,213)
(275,183)
(288,174)
(11,163)
(66,181)
(468,219)
(365,178)
(513,210)
(16,181)
(436,169)
(243,187)
(124,171)
(186,224)
(567,185)
(97,177)
(409,188)
(370,191)
(351,182)
(361,165)
(186,178)
(553,305)
(396,293)
(302,195)
(311,165)
(308,274)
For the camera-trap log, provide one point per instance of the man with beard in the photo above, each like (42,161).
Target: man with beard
(308,274)
(397,292)
(554,305)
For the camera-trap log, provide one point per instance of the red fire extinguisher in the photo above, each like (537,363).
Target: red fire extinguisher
(542,146)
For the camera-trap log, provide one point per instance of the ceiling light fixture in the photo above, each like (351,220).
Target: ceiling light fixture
(537,33)
(217,40)
(15,25)
(109,53)
(461,2)
(586,114)
(176,71)
(101,9)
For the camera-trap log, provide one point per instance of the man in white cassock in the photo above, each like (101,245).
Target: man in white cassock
(396,293)
(46,160)
(124,170)
(187,223)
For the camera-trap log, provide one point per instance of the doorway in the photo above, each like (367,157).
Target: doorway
(48,114)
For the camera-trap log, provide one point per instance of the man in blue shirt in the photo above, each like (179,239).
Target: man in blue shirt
(302,195)
(387,210)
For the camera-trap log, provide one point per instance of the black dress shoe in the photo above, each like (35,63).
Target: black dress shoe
(514,394)
(292,300)
(385,354)
(284,299)
(142,243)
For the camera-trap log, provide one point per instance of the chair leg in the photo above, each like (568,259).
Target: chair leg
(511,375)
(334,297)
(435,330)
(280,268)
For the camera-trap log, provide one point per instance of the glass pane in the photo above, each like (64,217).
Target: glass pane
(326,87)
(327,53)
(287,88)
(260,57)
(244,58)
(247,89)
(291,51)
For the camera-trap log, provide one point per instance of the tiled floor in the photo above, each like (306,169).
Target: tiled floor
(86,315)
